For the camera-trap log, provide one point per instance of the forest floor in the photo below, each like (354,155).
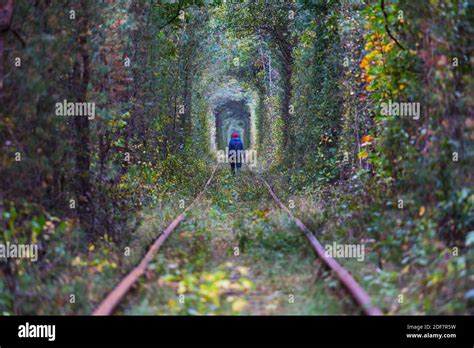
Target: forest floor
(237,253)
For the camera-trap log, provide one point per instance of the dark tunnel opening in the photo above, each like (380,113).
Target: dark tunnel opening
(232,116)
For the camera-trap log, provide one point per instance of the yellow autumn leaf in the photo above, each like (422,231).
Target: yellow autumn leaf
(246,283)
(435,279)
(369,78)
(363,155)
(371,55)
(422,211)
(364,63)
(172,304)
(387,47)
(239,305)
(181,288)
(243,270)
(76,261)
(367,139)
(209,277)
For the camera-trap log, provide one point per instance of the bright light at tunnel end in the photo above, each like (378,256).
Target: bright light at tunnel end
(248,157)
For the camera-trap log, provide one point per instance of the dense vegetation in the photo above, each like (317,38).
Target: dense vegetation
(315,78)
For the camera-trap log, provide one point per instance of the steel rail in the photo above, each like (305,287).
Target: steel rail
(108,305)
(355,290)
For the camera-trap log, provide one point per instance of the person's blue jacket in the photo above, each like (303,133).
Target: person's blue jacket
(236,145)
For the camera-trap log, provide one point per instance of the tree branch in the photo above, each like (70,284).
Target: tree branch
(387,29)
(18,36)
(172,19)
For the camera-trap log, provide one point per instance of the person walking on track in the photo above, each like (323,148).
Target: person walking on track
(236,153)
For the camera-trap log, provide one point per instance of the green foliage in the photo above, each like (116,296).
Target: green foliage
(313,75)
(209,293)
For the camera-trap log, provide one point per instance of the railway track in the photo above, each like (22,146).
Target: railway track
(358,294)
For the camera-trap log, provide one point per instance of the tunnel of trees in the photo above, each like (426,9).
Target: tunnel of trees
(303,82)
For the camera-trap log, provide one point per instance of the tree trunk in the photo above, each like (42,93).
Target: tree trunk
(6,15)
(80,82)
(285,105)
(186,124)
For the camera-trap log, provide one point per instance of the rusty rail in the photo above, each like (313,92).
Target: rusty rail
(356,291)
(108,305)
